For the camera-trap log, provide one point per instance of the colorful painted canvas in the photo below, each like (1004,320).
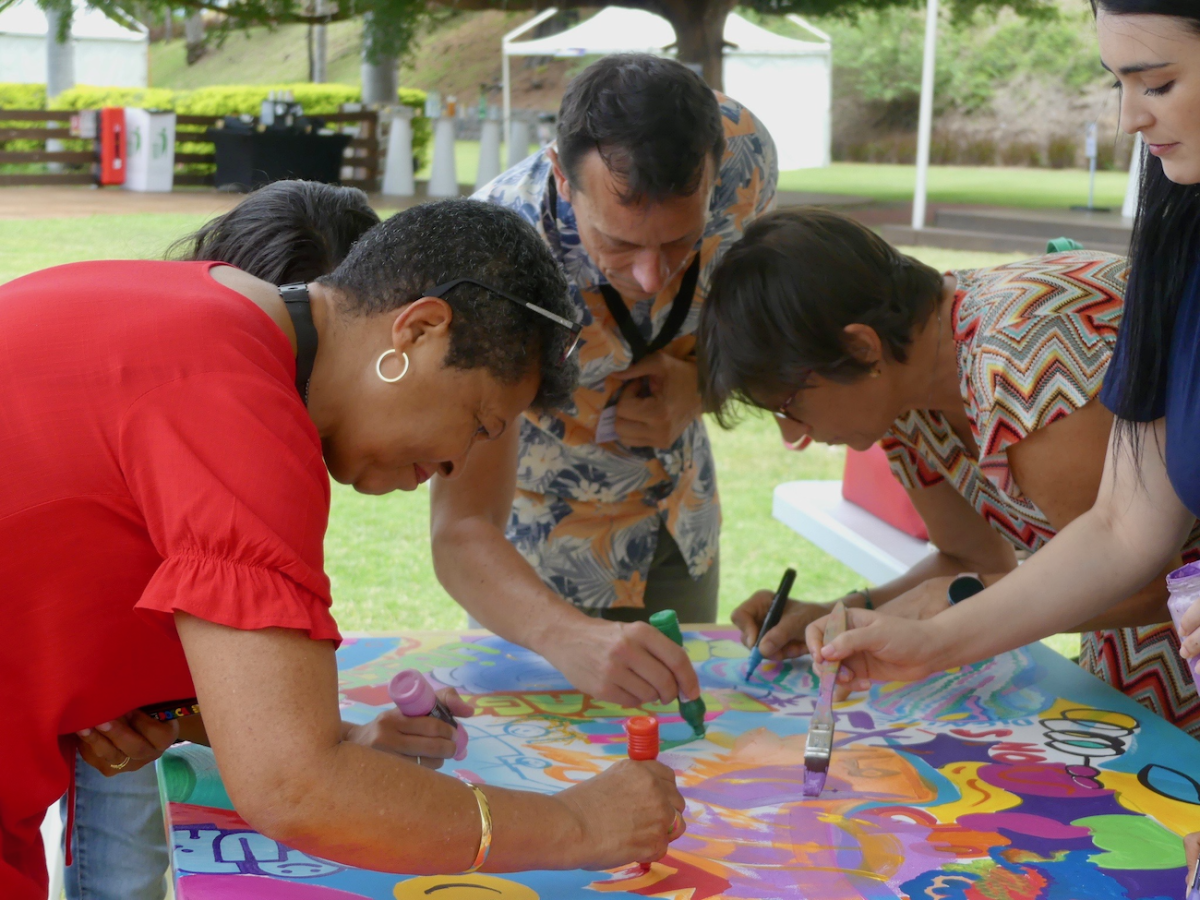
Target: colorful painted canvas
(1021,777)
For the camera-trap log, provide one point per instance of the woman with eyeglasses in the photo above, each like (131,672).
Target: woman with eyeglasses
(169,430)
(284,232)
(983,386)
(1149,494)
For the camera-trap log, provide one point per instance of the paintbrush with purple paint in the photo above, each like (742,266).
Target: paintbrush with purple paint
(819,745)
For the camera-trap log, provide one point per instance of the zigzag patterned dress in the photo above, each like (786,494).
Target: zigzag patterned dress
(1034,339)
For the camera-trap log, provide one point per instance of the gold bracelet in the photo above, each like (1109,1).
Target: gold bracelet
(485,820)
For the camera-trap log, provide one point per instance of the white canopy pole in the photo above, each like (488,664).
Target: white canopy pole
(506,74)
(925,122)
(1133,189)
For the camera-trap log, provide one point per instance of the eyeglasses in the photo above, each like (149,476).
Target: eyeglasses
(574,327)
(783,411)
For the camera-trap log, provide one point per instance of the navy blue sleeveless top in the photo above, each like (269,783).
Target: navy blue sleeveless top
(1178,401)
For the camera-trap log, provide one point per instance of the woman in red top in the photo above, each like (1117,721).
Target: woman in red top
(164,449)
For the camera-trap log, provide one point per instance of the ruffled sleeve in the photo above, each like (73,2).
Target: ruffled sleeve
(226,469)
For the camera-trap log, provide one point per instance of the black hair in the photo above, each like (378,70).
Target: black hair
(1164,252)
(654,122)
(414,251)
(284,232)
(782,296)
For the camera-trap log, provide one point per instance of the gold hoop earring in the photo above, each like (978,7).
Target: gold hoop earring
(379,367)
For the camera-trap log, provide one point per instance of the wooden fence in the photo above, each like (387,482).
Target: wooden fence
(43,126)
(194,157)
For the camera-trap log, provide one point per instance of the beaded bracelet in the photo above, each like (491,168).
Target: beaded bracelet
(485,835)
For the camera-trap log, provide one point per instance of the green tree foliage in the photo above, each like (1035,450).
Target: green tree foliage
(395,23)
(877,56)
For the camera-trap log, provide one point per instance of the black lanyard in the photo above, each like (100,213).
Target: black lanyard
(295,298)
(639,348)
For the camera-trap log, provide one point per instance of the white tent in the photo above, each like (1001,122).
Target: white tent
(107,53)
(785,82)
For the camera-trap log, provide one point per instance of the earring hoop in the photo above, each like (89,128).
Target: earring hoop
(379,366)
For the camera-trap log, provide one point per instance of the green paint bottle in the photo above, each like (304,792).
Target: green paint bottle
(692,710)
(189,774)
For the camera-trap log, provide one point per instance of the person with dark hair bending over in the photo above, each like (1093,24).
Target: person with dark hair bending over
(566,534)
(1149,494)
(174,425)
(285,232)
(981,385)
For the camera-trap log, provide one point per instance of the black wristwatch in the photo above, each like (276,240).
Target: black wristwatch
(963,586)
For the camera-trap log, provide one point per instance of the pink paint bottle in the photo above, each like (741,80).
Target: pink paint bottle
(1184,586)
(415,697)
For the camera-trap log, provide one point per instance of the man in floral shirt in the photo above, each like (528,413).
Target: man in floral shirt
(570,527)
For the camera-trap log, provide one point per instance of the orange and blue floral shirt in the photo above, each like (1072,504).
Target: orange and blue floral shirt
(586,515)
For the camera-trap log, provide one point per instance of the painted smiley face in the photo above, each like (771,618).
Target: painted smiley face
(463,887)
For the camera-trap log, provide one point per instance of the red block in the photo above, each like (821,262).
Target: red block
(112,145)
(868,482)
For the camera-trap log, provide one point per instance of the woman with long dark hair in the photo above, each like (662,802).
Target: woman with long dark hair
(1150,491)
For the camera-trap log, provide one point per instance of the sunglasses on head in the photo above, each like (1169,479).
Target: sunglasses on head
(575,328)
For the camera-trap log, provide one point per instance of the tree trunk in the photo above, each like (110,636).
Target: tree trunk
(193,34)
(60,57)
(318,52)
(380,79)
(700,32)
(60,71)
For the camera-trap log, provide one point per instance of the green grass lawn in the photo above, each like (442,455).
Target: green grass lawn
(982,185)
(377,548)
(989,185)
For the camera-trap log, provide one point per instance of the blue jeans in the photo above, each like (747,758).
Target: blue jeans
(120,846)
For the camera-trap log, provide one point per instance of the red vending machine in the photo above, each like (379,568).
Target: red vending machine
(112,145)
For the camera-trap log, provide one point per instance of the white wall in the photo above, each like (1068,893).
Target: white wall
(792,95)
(22,59)
(100,62)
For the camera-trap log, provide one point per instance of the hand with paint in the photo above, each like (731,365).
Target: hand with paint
(657,415)
(1189,632)
(785,640)
(879,647)
(1191,844)
(127,743)
(924,601)
(630,663)
(630,812)
(425,740)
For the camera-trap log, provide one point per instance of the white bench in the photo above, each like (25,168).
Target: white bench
(875,550)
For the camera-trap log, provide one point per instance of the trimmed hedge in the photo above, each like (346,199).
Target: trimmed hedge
(224,100)
(22,96)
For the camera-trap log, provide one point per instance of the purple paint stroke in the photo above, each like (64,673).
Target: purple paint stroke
(1024,824)
(754,788)
(814,782)
(860,719)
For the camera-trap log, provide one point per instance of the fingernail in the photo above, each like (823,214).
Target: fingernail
(107,726)
(85,733)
